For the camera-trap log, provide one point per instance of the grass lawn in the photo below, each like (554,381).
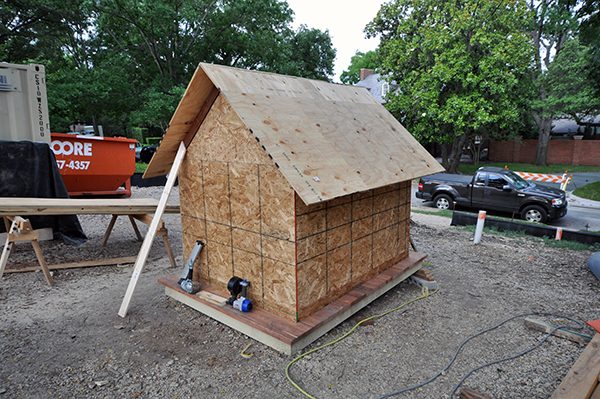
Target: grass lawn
(527,167)
(140,167)
(437,212)
(590,191)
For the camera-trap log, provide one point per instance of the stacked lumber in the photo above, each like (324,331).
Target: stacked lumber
(581,382)
(425,274)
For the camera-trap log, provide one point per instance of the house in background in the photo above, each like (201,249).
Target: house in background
(588,127)
(375,83)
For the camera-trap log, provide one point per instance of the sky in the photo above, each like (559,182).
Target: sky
(345,20)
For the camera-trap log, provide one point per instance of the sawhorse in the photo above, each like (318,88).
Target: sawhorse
(146,219)
(19,229)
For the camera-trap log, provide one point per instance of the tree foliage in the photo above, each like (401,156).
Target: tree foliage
(458,66)
(589,33)
(125,63)
(359,60)
(569,90)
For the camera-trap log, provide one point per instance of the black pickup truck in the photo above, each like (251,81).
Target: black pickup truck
(495,189)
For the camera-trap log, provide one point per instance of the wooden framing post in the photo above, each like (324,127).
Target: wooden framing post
(147,244)
(21,230)
(113,219)
(10,229)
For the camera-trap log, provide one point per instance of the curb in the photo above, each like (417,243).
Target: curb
(585,207)
(594,204)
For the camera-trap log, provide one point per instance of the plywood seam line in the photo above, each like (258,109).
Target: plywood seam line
(251,231)
(230,217)
(296,240)
(268,153)
(351,237)
(260,237)
(205,224)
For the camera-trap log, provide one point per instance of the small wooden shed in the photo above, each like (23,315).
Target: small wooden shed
(300,186)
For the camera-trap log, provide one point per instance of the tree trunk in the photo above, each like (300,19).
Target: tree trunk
(454,158)
(444,147)
(544,129)
(95,125)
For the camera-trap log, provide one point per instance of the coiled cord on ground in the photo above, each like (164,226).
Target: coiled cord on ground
(425,294)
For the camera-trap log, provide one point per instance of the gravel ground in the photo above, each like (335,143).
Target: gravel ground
(67,341)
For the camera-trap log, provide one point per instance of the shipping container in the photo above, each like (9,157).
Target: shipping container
(23,103)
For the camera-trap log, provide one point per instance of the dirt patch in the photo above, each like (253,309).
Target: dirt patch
(67,341)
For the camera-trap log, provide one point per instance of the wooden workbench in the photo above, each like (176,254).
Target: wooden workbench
(14,209)
(15,206)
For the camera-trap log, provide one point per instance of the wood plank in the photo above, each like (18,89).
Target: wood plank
(582,378)
(151,233)
(210,297)
(468,393)
(135,228)
(7,246)
(542,326)
(163,232)
(40,257)
(195,95)
(10,206)
(44,234)
(77,265)
(206,106)
(596,393)
(109,229)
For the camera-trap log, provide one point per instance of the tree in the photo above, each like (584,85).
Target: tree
(553,23)
(308,53)
(359,61)
(457,65)
(589,34)
(29,28)
(166,39)
(125,62)
(570,92)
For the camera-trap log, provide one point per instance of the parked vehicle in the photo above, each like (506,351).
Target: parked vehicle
(494,189)
(138,151)
(147,152)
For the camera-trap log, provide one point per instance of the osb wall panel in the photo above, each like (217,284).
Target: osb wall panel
(235,199)
(345,241)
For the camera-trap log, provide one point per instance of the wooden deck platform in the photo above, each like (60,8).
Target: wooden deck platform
(286,336)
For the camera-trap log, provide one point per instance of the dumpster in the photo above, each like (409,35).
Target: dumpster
(92,165)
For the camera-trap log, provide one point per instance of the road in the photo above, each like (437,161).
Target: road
(576,219)
(581,179)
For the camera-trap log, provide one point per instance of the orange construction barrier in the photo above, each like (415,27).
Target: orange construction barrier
(92,165)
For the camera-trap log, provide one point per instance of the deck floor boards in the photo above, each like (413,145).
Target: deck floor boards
(288,336)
